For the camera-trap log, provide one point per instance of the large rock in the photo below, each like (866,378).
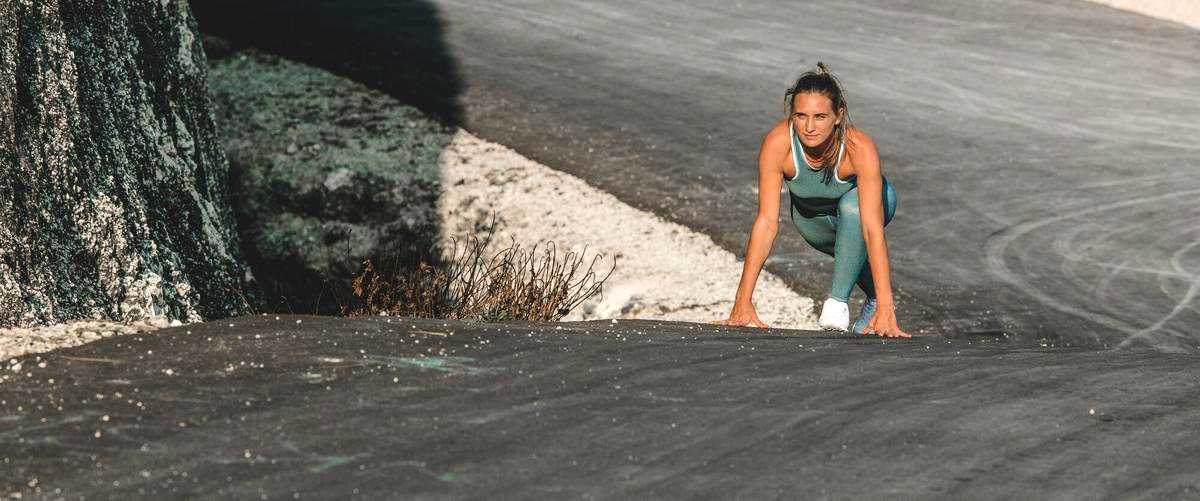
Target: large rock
(113,198)
(326,173)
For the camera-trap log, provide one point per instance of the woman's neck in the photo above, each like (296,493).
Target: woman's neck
(816,152)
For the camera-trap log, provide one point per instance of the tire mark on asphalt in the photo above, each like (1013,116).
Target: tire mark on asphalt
(1000,241)
(1177,258)
(1180,305)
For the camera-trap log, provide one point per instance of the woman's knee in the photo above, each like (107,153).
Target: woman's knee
(889,203)
(848,205)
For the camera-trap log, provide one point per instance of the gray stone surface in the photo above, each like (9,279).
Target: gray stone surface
(113,195)
(325,172)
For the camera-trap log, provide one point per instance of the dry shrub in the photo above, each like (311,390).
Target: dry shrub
(515,284)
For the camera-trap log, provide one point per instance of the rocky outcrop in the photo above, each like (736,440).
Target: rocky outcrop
(113,185)
(326,173)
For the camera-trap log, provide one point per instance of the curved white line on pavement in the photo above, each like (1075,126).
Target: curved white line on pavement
(997,244)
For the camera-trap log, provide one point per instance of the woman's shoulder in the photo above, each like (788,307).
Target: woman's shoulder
(860,149)
(780,129)
(857,138)
(859,145)
(777,137)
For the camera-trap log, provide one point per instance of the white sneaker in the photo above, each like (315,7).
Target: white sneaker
(835,315)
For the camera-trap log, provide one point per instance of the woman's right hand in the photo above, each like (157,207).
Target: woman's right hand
(772,157)
(742,314)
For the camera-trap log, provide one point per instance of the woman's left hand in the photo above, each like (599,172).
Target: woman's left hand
(883,323)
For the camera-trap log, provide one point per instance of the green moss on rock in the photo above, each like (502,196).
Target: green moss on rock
(327,172)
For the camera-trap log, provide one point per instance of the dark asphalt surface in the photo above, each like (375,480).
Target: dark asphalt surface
(1044,153)
(403,408)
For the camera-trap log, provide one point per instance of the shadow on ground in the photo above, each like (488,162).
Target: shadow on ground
(402,54)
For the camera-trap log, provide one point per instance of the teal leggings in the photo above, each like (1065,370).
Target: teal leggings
(840,235)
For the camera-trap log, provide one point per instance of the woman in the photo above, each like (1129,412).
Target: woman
(840,202)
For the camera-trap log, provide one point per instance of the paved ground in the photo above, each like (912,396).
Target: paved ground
(1045,158)
(1044,152)
(329,408)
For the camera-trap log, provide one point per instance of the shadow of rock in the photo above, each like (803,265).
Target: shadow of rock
(407,59)
(325,173)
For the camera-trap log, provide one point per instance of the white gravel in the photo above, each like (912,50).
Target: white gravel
(664,270)
(15,342)
(1181,11)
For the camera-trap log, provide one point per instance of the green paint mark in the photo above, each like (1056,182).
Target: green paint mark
(452,365)
(446,477)
(330,462)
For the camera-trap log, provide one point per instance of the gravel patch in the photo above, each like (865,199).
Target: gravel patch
(664,270)
(1180,11)
(19,341)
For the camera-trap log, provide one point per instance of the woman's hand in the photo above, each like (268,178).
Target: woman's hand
(883,323)
(742,314)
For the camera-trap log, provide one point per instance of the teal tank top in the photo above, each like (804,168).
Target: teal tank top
(809,193)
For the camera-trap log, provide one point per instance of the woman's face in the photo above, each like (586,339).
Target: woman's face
(813,118)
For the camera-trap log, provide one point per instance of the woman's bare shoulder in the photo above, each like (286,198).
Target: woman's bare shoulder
(858,139)
(776,139)
(863,155)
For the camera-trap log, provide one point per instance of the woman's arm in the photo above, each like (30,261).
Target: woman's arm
(870,199)
(764,230)
(766,222)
